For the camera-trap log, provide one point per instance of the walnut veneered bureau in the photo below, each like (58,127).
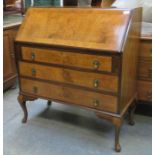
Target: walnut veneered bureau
(84,56)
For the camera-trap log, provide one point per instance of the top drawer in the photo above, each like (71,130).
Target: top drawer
(85,61)
(146,49)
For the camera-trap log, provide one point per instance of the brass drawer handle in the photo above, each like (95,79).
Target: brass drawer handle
(96,103)
(32,56)
(35,89)
(96,83)
(96,64)
(33,72)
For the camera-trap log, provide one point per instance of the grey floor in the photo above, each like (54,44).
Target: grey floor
(67,130)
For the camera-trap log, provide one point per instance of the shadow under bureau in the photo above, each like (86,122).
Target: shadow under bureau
(84,56)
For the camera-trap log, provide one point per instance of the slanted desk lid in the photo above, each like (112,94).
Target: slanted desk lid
(89,28)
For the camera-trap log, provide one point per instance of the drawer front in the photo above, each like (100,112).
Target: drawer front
(144,91)
(85,98)
(146,49)
(91,80)
(85,61)
(145,70)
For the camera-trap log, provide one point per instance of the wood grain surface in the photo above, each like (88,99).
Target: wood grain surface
(74,59)
(89,28)
(70,95)
(95,81)
(130,60)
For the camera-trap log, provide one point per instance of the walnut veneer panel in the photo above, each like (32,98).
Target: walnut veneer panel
(95,81)
(70,95)
(89,28)
(86,61)
(129,61)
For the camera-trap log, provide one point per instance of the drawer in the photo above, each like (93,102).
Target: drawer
(145,70)
(144,90)
(146,49)
(72,59)
(66,94)
(97,81)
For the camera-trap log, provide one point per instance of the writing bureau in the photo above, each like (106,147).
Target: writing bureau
(84,56)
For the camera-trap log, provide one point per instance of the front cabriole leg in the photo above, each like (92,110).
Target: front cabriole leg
(131,113)
(117,135)
(22,101)
(49,102)
(117,121)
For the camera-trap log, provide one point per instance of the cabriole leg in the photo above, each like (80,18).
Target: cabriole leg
(117,121)
(117,134)
(22,103)
(49,103)
(131,114)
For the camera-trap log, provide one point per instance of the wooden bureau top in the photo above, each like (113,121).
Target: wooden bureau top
(84,28)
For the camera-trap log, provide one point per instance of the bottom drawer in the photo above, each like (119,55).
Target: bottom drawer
(70,95)
(144,91)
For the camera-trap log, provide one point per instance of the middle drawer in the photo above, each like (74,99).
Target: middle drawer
(91,80)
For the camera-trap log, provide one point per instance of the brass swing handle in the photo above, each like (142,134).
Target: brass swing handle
(96,83)
(33,71)
(96,103)
(33,56)
(96,64)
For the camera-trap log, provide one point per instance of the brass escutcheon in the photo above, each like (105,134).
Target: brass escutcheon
(96,83)
(33,72)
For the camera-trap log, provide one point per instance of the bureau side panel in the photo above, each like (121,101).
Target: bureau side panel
(129,61)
